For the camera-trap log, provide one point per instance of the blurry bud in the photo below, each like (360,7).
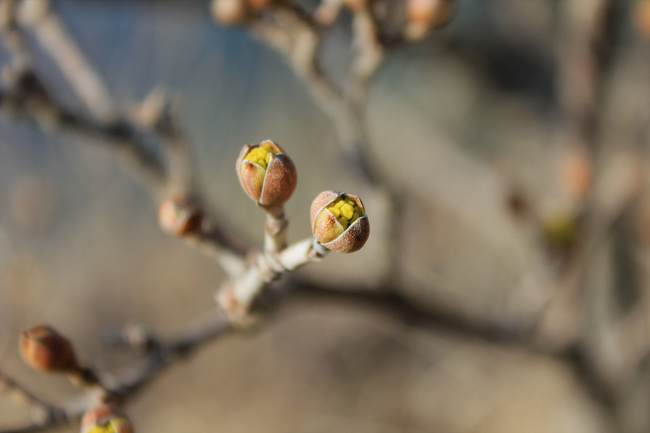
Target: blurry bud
(426,15)
(42,348)
(179,216)
(576,174)
(267,174)
(105,419)
(561,230)
(339,221)
(230,12)
(641,11)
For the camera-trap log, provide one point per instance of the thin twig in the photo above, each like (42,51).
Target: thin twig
(135,142)
(56,41)
(42,414)
(164,353)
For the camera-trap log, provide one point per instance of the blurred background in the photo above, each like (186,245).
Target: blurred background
(523,233)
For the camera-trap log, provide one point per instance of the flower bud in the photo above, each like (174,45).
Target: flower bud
(230,12)
(179,216)
(339,221)
(267,174)
(425,15)
(561,230)
(105,419)
(42,348)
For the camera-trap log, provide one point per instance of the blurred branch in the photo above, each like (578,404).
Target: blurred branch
(42,414)
(163,353)
(583,33)
(25,97)
(409,312)
(135,140)
(159,354)
(37,16)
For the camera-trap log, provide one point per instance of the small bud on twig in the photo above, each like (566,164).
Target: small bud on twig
(42,348)
(230,12)
(577,174)
(426,15)
(641,11)
(339,221)
(105,419)
(267,174)
(179,216)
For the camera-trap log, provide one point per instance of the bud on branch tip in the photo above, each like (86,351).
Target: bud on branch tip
(267,174)
(339,221)
(105,419)
(42,348)
(179,216)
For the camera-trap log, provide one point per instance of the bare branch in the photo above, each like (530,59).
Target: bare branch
(164,353)
(37,16)
(42,414)
(137,142)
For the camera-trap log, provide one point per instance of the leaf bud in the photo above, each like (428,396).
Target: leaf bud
(179,216)
(426,15)
(105,419)
(267,174)
(339,221)
(230,12)
(42,348)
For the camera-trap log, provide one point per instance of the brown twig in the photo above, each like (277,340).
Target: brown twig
(150,141)
(123,385)
(37,16)
(582,29)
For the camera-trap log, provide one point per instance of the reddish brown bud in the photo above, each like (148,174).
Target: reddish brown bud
(339,221)
(266,173)
(105,419)
(179,216)
(230,12)
(576,174)
(426,15)
(42,348)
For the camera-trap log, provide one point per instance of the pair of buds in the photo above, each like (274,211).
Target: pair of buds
(269,177)
(267,174)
